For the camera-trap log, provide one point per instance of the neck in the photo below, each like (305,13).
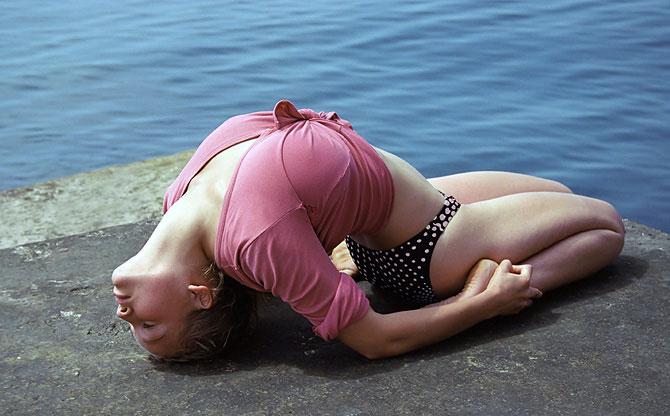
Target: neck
(203,205)
(180,239)
(175,249)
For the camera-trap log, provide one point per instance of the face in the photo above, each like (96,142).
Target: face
(155,306)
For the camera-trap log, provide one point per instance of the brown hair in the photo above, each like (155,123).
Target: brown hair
(212,332)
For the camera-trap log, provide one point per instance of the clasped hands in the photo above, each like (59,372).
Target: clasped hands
(507,285)
(510,288)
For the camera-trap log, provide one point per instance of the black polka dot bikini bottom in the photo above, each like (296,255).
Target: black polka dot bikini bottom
(404,270)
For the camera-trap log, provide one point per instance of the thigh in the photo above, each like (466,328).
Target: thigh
(478,186)
(513,227)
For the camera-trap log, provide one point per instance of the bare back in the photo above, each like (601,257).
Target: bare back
(415,203)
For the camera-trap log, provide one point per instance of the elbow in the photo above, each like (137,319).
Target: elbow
(373,356)
(372,337)
(372,348)
(373,353)
(380,349)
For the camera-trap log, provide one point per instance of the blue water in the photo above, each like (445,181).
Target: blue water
(577,91)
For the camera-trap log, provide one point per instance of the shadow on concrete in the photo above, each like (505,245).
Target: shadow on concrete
(276,341)
(598,346)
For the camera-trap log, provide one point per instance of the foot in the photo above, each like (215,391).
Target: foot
(476,282)
(343,261)
(478,278)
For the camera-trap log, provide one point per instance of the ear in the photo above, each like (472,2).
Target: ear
(201,296)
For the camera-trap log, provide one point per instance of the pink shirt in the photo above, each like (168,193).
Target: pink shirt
(308,181)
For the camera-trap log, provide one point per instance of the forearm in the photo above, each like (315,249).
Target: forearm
(410,330)
(378,336)
(508,291)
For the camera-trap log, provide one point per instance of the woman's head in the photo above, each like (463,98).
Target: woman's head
(177,302)
(180,315)
(155,302)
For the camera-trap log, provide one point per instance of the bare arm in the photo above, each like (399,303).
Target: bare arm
(379,336)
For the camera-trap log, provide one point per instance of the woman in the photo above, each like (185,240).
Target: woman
(267,197)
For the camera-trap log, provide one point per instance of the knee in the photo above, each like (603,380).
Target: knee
(616,220)
(602,215)
(611,243)
(616,225)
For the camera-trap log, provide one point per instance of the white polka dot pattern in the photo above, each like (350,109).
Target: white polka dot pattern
(396,270)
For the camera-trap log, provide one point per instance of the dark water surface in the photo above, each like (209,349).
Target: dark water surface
(577,91)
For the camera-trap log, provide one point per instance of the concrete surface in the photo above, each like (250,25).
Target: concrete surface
(88,201)
(599,346)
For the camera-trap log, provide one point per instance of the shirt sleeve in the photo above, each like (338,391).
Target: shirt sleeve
(288,260)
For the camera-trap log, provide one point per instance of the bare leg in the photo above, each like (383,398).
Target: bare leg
(564,236)
(504,216)
(477,280)
(589,251)
(472,187)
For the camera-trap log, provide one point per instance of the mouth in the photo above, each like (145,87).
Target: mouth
(121,299)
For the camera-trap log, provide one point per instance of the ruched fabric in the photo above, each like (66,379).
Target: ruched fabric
(285,113)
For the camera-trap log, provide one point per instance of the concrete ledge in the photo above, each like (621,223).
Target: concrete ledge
(87,201)
(596,347)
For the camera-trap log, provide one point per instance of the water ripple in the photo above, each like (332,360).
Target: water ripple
(573,90)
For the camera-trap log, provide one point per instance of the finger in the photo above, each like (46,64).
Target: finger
(523,270)
(516,268)
(535,292)
(505,266)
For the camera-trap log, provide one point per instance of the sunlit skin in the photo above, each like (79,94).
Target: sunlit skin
(155,296)
(155,308)
(514,238)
